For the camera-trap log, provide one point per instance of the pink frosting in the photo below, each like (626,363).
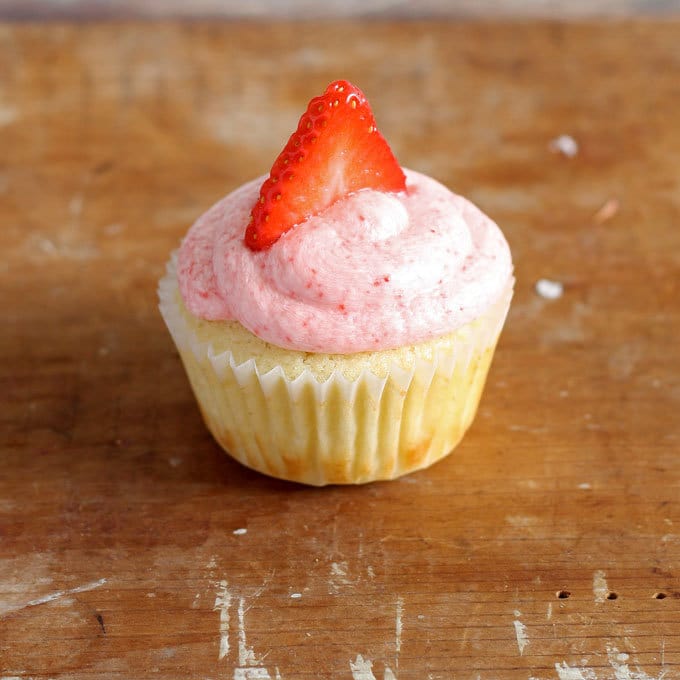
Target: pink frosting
(373,271)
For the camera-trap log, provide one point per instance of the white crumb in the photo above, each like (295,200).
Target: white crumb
(550,290)
(564,144)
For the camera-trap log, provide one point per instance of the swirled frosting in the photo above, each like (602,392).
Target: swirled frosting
(373,271)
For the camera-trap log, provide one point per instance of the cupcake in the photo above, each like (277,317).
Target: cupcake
(337,318)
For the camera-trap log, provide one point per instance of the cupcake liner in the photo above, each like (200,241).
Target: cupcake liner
(379,425)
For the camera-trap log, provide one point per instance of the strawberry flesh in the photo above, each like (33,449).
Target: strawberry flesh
(335,150)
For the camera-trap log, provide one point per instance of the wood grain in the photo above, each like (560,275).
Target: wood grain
(119,550)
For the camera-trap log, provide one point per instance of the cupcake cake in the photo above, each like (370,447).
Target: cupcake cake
(337,317)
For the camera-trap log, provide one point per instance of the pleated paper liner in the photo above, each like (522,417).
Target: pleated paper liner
(344,419)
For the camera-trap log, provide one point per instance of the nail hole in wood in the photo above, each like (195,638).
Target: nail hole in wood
(660,596)
(563,594)
(612,596)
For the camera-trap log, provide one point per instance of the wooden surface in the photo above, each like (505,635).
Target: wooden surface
(131,547)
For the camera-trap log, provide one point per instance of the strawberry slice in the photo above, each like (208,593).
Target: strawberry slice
(335,150)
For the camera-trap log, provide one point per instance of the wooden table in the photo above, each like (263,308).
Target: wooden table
(547,546)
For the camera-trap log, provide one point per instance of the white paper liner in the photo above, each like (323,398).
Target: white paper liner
(337,430)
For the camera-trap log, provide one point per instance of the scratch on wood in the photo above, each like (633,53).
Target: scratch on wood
(260,589)
(600,587)
(212,562)
(249,667)
(398,628)
(246,656)
(663,652)
(521,635)
(222,604)
(565,672)
(618,661)
(361,669)
(253,674)
(338,577)
(519,521)
(58,595)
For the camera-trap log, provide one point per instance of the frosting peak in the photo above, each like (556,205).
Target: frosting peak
(373,271)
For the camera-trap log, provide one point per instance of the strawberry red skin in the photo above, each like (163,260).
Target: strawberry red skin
(335,150)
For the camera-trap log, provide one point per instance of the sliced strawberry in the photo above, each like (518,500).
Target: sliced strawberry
(335,150)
